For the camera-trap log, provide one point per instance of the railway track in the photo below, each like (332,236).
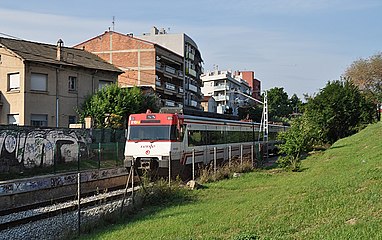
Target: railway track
(18,216)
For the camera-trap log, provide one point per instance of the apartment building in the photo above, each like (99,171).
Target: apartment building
(144,64)
(42,85)
(228,90)
(185,46)
(254,83)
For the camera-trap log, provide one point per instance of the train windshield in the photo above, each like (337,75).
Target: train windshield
(153,133)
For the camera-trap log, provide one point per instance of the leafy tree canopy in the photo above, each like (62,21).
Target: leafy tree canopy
(278,103)
(367,75)
(110,106)
(339,110)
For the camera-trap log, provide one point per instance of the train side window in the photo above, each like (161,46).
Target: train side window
(195,138)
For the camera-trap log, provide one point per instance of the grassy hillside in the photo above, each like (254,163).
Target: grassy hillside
(338,195)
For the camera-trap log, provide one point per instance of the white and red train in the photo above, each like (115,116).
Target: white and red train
(155,138)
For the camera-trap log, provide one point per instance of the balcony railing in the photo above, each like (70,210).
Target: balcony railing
(221,98)
(158,65)
(193,103)
(190,56)
(169,86)
(221,87)
(190,71)
(169,103)
(170,69)
(192,87)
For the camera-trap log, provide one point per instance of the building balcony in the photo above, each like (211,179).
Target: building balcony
(170,70)
(158,66)
(190,56)
(221,98)
(193,103)
(170,86)
(191,72)
(192,87)
(169,103)
(221,88)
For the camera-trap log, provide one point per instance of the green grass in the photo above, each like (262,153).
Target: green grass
(338,195)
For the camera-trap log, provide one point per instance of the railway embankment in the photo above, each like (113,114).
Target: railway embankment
(336,195)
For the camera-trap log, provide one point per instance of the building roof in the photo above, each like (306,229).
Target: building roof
(47,53)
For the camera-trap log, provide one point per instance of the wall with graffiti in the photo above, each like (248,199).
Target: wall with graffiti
(22,147)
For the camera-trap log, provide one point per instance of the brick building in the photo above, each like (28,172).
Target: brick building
(145,64)
(249,77)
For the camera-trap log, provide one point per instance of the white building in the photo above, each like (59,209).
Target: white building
(185,46)
(227,89)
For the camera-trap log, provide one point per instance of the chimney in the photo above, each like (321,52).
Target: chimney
(154,31)
(60,44)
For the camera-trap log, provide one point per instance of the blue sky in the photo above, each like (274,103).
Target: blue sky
(297,44)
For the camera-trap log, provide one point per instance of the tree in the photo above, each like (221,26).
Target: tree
(297,140)
(295,104)
(253,113)
(114,104)
(338,110)
(278,104)
(367,75)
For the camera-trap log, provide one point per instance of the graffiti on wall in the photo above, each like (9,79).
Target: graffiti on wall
(28,185)
(41,147)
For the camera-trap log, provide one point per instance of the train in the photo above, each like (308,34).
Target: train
(159,141)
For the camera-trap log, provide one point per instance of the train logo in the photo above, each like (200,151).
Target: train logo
(147,152)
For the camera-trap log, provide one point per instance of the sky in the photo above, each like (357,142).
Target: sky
(299,45)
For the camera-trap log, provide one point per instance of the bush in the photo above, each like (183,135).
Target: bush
(225,171)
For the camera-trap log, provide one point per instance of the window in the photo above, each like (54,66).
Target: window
(39,120)
(72,84)
(103,83)
(13,119)
(13,81)
(39,82)
(72,119)
(145,132)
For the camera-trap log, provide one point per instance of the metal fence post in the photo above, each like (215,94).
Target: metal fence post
(99,155)
(117,154)
(193,164)
(169,169)
(54,157)
(229,155)
(241,154)
(79,202)
(252,153)
(214,160)
(132,181)
(78,157)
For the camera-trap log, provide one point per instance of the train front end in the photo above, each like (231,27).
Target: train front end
(151,137)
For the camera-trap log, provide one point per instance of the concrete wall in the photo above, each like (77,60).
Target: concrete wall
(23,192)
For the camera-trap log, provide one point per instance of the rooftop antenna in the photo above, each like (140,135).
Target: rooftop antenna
(113,22)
